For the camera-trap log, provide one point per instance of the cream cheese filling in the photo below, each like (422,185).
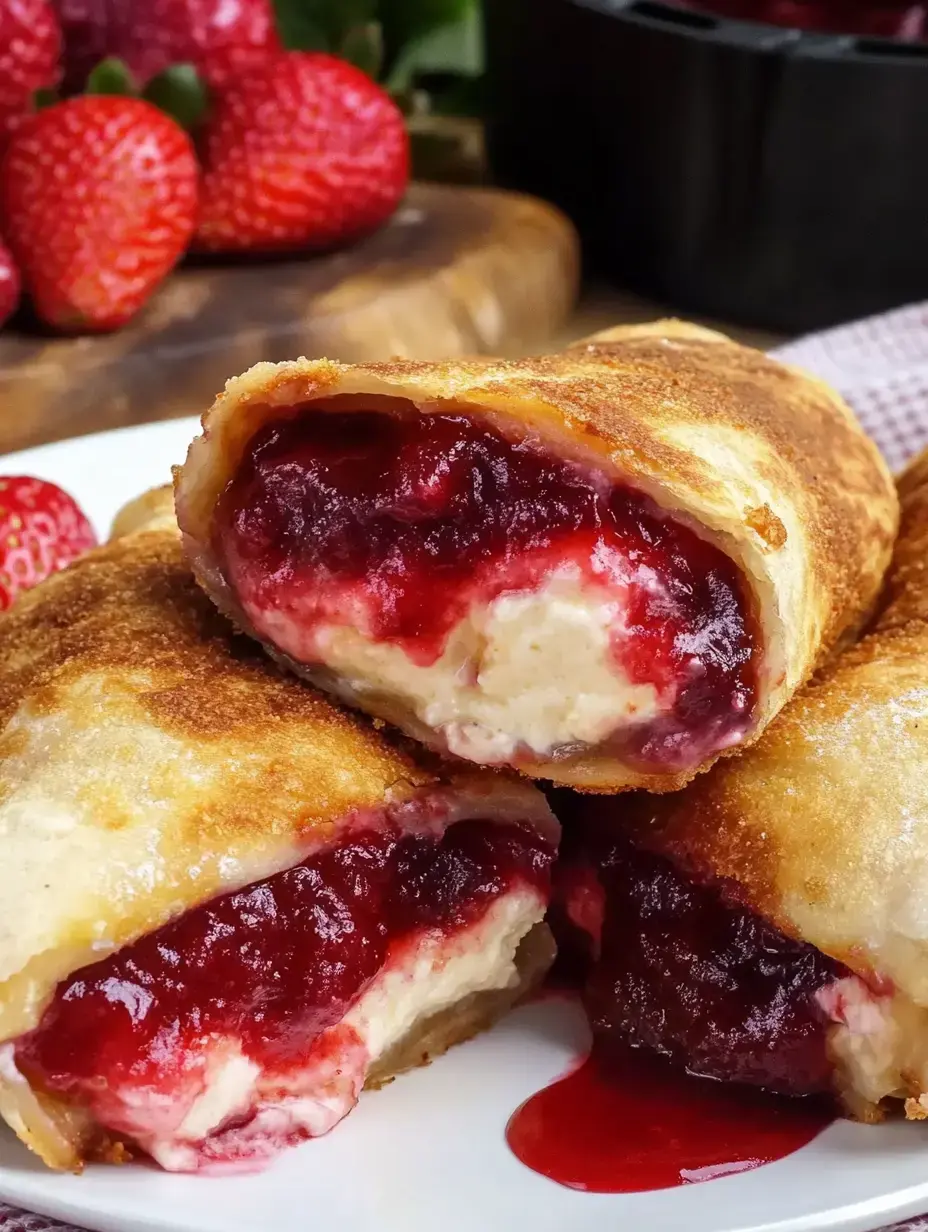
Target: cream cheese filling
(530,670)
(879,1045)
(432,976)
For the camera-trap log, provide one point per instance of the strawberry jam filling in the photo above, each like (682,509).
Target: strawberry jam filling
(402,525)
(257,984)
(676,968)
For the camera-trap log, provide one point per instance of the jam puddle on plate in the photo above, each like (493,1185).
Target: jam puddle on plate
(628,1123)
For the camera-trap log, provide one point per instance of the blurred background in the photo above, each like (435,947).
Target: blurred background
(761,161)
(366,178)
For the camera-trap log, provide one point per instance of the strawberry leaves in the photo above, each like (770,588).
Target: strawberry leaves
(303,25)
(323,25)
(407,23)
(111,76)
(181,92)
(363,47)
(47,96)
(397,41)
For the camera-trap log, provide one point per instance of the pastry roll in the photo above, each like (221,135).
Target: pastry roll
(227,905)
(604,568)
(770,922)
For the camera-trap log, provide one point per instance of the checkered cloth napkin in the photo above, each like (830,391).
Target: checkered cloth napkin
(881,366)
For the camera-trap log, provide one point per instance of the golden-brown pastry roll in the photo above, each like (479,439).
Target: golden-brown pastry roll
(227,905)
(605,567)
(770,922)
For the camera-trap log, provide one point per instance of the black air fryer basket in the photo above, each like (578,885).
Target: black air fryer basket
(754,173)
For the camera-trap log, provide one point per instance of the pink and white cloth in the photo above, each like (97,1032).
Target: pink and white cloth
(881,366)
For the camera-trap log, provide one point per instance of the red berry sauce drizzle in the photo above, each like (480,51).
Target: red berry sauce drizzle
(274,967)
(399,522)
(633,1122)
(680,988)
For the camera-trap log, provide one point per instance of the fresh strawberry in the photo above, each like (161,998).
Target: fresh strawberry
(9,284)
(41,530)
(30,47)
(306,152)
(222,38)
(98,196)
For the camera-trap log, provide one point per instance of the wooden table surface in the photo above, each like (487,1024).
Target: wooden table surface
(455,271)
(600,305)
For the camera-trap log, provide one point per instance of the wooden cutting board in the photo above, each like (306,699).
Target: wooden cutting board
(457,271)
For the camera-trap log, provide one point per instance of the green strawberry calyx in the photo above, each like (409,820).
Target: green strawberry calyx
(179,91)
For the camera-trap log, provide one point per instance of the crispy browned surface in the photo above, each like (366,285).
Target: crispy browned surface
(823,825)
(819,455)
(906,594)
(133,605)
(151,758)
(764,460)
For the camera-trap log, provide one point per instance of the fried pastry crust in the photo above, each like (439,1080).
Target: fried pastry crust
(151,758)
(822,826)
(763,460)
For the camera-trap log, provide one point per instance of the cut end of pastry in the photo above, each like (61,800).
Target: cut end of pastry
(233,900)
(254,1021)
(878,1043)
(666,955)
(499,596)
(781,898)
(459,1005)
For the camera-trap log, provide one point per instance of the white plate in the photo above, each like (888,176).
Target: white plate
(427,1154)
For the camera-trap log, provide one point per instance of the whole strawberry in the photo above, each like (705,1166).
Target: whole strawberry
(306,152)
(222,38)
(30,46)
(98,196)
(9,284)
(42,529)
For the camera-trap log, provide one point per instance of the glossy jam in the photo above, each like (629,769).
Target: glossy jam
(273,965)
(398,523)
(628,1121)
(710,985)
